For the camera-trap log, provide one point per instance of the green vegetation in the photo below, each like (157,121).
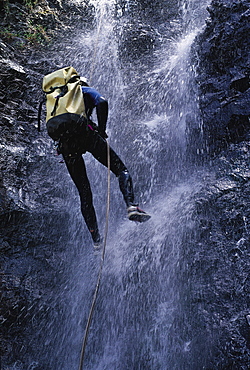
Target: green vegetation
(6,33)
(20,24)
(29,4)
(36,33)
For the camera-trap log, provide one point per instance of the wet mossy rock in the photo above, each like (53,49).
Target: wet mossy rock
(28,24)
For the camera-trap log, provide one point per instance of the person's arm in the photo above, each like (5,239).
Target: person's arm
(102,116)
(93,99)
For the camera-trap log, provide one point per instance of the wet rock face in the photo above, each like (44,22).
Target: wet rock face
(32,257)
(216,281)
(223,74)
(32,264)
(27,250)
(141,21)
(218,267)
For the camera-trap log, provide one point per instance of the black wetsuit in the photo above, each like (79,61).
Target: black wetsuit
(92,139)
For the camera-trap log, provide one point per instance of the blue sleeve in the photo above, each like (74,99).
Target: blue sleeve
(93,96)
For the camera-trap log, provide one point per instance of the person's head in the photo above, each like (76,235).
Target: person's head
(84,81)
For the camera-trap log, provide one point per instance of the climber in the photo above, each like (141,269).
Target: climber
(94,141)
(69,103)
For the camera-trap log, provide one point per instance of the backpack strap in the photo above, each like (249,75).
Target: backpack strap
(64,90)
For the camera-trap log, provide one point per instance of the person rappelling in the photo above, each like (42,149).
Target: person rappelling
(70,102)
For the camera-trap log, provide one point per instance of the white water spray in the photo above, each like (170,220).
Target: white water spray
(138,302)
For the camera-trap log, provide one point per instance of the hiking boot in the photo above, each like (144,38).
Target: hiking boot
(137,214)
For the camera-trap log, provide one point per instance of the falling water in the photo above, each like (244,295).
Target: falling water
(151,100)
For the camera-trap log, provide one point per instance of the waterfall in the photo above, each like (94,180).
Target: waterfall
(150,99)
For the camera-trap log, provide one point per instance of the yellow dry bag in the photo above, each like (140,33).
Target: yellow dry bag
(63,93)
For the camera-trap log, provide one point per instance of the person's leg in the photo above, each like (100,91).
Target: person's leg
(77,171)
(126,186)
(98,148)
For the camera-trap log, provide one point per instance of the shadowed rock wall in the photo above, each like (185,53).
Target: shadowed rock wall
(33,213)
(217,273)
(223,74)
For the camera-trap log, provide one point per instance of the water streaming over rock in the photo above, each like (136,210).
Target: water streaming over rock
(151,101)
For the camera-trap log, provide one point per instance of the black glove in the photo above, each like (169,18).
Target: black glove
(103,134)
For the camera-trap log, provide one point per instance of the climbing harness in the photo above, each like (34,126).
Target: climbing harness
(100,268)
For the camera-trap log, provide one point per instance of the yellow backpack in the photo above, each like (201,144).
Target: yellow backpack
(65,107)
(63,93)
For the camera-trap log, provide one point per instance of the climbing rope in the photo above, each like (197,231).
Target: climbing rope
(100,268)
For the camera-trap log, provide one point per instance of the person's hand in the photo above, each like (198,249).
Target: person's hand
(103,134)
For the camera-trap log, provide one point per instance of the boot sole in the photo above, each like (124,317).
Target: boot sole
(138,217)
